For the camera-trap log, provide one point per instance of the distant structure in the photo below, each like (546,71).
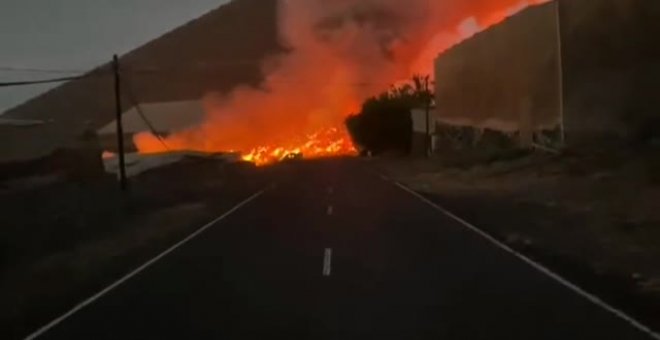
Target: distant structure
(165,118)
(587,70)
(423,140)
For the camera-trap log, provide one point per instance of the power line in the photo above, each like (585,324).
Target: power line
(38,70)
(42,81)
(138,108)
(187,68)
(81,75)
(169,71)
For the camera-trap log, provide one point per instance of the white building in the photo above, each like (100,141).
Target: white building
(165,117)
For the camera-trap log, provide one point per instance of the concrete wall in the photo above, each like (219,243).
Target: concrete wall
(505,78)
(611,71)
(611,66)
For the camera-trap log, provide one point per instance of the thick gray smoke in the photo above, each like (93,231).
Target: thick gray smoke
(340,52)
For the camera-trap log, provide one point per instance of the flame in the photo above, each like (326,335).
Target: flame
(336,61)
(325,143)
(484,14)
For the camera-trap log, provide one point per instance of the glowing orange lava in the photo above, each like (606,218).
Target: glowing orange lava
(325,143)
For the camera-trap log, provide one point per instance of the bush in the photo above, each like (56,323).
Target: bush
(384,123)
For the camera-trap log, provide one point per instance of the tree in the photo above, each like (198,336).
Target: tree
(384,123)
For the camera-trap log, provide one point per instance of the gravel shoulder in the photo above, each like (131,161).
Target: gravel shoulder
(595,219)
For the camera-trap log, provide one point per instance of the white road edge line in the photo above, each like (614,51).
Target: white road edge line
(330,210)
(327,262)
(591,297)
(128,276)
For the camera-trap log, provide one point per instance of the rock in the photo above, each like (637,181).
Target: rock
(650,285)
(513,238)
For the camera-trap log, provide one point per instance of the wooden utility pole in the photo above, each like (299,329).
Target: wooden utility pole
(123,183)
(560,82)
(427,95)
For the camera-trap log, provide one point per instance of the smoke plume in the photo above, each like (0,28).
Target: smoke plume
(339,53)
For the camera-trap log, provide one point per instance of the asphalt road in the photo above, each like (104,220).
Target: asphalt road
(333,251)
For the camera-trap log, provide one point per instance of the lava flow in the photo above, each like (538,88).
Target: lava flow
(338,54)
(325,143)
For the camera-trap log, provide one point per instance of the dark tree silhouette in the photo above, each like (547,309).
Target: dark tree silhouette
(384,124)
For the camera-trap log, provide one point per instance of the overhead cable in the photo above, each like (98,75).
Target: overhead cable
(41,81)
(138,108)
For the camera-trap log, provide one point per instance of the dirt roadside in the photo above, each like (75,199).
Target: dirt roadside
(60,249)
(593,218)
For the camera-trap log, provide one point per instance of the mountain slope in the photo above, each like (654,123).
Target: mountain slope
(215,52)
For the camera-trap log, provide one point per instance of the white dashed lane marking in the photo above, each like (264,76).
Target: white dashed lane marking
(327,262)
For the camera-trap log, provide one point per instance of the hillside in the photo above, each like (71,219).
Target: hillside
(215,52)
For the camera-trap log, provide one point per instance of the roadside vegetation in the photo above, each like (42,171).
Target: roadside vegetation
(384,124)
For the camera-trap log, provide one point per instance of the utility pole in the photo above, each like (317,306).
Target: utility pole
(560,70)
(427,95)
(123,184)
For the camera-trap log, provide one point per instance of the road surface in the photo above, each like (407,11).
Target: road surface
(333,251)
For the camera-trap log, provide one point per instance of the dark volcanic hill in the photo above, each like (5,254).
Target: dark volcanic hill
(215,52)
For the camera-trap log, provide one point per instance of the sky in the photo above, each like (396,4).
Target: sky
(78,35)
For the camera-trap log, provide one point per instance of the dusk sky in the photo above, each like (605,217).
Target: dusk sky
(79,34)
